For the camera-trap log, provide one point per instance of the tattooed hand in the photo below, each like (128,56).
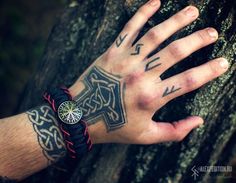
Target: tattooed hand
(122,90)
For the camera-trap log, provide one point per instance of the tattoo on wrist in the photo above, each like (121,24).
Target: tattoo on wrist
(169,91)
(137,49)
(120,40)
(102,98)
(48,133)
(152,64)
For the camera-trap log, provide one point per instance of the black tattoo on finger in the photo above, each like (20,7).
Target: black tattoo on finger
(169,91)
(103,99)
(152,64)
(120,40)
(137,49)
(48,133)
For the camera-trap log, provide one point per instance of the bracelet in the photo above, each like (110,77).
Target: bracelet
(69,116)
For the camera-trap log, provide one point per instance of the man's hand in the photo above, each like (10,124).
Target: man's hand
(118,94)
(121,91)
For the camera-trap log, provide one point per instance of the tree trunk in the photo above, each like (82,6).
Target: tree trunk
(84,31)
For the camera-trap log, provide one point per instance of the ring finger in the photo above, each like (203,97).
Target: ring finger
(178,50)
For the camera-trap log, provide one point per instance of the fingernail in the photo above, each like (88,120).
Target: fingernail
(154,2)
(212,33)
(190,11)
(224,63)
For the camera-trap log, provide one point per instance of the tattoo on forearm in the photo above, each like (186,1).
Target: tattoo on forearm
(137,49)
(152,64)
(169,91)
(120,40)
(49,135)
(103,99)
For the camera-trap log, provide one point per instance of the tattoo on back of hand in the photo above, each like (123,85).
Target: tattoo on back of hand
(103,99)
(152,64)
(137,49)
(49,135)
(120,40)
(169,91)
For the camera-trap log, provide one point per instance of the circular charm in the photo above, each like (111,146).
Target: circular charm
(69,112)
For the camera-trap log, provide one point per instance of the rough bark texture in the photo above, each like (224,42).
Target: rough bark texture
(86,30)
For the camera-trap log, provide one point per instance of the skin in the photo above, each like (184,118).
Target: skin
(122,90)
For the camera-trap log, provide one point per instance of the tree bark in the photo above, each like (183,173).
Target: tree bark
(83,32)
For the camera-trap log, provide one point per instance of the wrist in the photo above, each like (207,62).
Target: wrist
(97,131)
(70,120)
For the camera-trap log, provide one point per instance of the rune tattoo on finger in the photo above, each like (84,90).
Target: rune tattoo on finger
(120,40)
(137,49)
(169,91)
(152,64)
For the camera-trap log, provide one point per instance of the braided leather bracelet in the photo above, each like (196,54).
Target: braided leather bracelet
(76,135)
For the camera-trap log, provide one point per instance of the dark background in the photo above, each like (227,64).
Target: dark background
(24,28)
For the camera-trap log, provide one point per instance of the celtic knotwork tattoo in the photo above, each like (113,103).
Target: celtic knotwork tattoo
(49,136)
(102,98)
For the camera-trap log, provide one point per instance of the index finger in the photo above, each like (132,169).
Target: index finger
(133,26)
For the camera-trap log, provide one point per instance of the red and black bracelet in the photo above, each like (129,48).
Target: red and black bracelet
(76,136)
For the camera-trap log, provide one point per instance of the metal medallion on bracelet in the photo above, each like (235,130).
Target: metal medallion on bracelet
(69,116)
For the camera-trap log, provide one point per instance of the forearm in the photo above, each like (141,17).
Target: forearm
(29,142)
(32,140)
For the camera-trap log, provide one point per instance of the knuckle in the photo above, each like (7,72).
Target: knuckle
(177,135)
(176,50)
(178,18)
(213,68)
(202,36)
(144,100)
(133,78)
(153,35)
(190,80)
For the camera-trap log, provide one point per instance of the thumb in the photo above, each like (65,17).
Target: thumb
(175,131)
